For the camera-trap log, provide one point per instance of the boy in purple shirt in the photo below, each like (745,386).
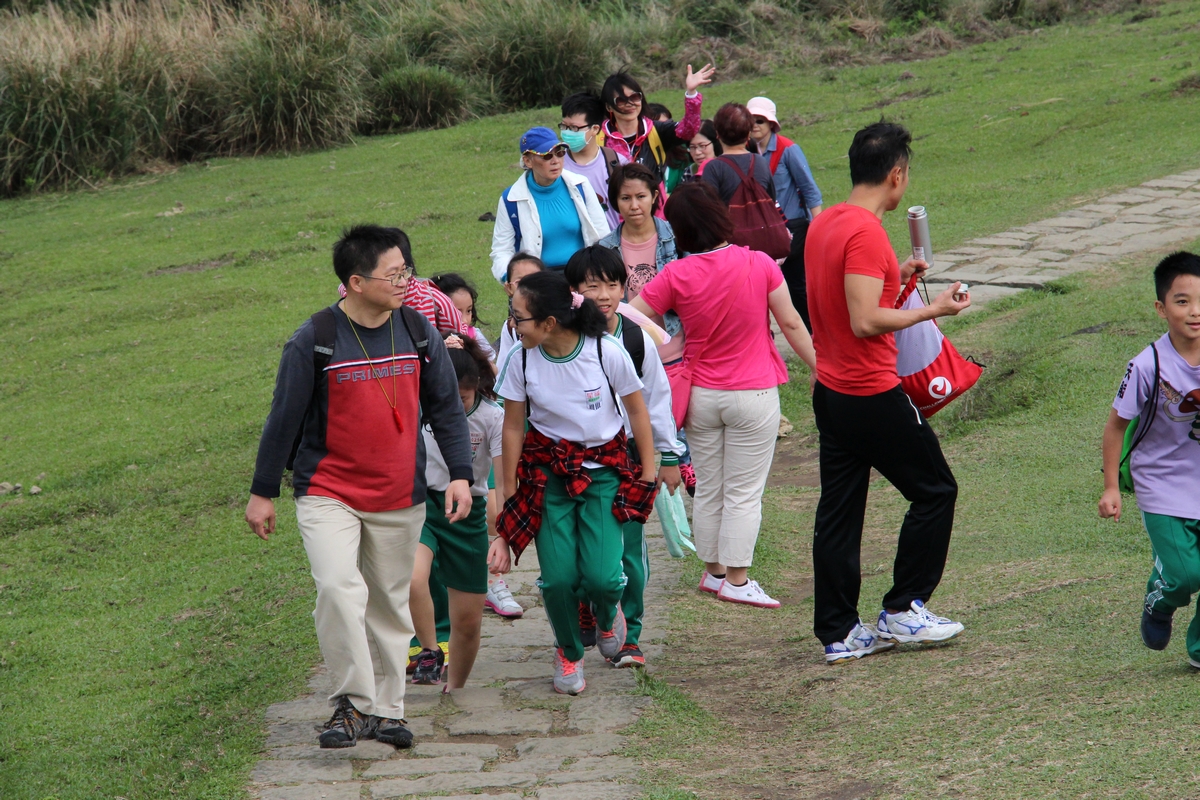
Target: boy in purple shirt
(1162,389)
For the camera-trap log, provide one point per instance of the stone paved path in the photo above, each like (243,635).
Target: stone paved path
(506,736)
(1155,215)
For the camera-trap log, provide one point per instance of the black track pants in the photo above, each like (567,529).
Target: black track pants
(884,431)
(793,269)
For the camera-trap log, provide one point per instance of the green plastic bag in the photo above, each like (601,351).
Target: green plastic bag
(672,516)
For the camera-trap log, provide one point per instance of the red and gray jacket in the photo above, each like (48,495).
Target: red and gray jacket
(354,448)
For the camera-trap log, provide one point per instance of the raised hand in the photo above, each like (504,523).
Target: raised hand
(695,80)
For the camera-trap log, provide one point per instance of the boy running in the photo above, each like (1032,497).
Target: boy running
(1161,390)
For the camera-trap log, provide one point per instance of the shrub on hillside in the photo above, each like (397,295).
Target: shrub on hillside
(83,98)
(915,10)
(530,52)
(417,97)
(289,78)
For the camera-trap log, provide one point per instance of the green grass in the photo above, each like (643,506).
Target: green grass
(1048,693)
(143,629)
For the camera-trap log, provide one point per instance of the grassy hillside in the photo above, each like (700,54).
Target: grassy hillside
(142,628)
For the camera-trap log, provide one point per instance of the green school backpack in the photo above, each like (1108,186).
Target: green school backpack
(1134,436)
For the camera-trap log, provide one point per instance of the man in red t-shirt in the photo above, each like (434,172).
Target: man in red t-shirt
(864,418)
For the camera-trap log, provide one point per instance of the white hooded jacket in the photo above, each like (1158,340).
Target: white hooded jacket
(592,220)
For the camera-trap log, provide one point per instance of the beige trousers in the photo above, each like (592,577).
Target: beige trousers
(362,563)
(732,438)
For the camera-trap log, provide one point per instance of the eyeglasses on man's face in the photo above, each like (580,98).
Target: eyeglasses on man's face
(395,279)
(562,126)
(558,151)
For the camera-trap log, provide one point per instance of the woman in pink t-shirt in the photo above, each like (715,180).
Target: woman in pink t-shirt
(722,294)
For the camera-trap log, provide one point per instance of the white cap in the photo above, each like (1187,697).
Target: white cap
(763,107)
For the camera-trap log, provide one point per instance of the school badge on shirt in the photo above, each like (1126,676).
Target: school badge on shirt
(593,398)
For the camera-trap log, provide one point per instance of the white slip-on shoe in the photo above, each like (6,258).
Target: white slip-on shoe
(749,593)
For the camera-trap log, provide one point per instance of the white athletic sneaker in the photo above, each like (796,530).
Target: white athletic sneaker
(1194,663)
(611,642)
(500,600)
(916,625)
(568,675)
(749,593)
(710,584)
(860,642)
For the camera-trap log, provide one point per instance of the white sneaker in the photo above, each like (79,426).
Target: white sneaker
(710,584)
(568,675)
(860,642)
(1194,663)
(916,625)
(500,600)
(749,593)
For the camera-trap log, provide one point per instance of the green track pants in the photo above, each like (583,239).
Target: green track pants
(579,549)
(1176,573)
(635,561)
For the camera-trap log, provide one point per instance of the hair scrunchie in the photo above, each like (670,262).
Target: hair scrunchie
(576,300)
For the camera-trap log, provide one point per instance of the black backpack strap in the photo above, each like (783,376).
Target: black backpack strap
(610,158)
(524,381)
(324,337)
(1153,398)
(416,332)
(634,341)
(600,355)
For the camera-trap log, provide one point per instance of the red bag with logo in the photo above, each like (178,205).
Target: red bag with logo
(931,371)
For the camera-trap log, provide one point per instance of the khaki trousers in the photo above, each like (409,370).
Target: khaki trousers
(732,438)
(362,563)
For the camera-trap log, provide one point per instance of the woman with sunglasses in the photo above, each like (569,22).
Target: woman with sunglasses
(548,212)
(636,136)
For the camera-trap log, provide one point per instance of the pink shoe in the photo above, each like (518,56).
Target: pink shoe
(710,584)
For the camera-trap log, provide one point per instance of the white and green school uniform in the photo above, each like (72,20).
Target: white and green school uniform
(635,560)
(580,543)
(460,548)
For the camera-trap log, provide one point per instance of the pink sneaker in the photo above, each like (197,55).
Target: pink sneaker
(710,584)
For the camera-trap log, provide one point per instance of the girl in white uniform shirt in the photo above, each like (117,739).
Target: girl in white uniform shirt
(569,481)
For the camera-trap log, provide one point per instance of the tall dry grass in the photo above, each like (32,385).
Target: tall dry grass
(87,95)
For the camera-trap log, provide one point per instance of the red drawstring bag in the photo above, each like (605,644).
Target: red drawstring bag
(931,371)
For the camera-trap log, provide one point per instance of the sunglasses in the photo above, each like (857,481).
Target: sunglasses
(627,99)
(558,151)
(761,120)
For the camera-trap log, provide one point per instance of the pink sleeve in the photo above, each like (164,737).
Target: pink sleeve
(658,293)
(689,126)
(771,267)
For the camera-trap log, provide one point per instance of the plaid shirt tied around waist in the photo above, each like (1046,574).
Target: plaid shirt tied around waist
(521,517)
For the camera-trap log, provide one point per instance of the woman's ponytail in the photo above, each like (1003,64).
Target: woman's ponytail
(549,295)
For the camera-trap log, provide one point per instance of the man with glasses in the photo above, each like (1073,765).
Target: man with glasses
(353,382)
(639,138)
(582,116)
(795,191)
(547,212)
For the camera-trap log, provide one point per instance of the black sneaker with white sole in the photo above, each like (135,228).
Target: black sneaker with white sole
(345,727)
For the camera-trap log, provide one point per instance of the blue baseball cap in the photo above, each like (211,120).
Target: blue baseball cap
(539,140)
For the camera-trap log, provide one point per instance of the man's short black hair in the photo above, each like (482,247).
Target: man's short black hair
(876,149)
(1170,268)
(584,103)
(359,249)
(595,263)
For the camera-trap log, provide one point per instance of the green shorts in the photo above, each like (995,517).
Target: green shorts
(460,549)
